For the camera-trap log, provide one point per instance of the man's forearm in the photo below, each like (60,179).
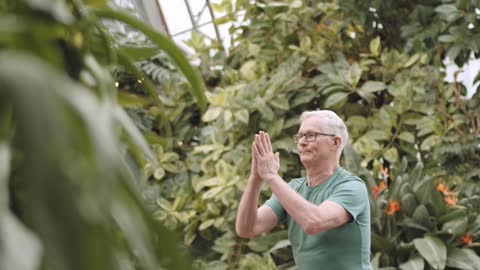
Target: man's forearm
(301,210)
(247,209)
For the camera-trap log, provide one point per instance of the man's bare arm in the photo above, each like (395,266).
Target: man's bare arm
(251,220)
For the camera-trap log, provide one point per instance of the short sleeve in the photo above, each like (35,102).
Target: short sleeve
(277,208)
(352,196)
(275,204)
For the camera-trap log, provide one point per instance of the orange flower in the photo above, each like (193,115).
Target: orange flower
(466,239)
(376,190)
(450,200)
(449,197)
(442,188)
(382,186)
(392,207)
(384,172)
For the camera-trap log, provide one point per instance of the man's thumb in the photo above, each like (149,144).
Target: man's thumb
(277,155)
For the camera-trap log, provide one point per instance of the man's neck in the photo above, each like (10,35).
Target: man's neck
(318,174)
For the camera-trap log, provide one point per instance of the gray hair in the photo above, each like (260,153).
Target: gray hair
(335,125)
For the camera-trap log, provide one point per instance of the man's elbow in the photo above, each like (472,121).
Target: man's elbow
(244,233)
(316,226)
(311,231)
(312,228)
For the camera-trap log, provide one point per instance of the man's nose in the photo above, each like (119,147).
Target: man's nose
(302,140)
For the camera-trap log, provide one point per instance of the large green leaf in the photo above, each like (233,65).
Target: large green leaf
(242,116)
(57,9)
(429,142)
(20,248)
(335,98)
(449,11)
(373,86)
(411,223)
(165,44)
(377,134)
(391,155)
(264,243)
(411,60)
(415,263)
(279,245)
(465,259)
(212,113)
(433,250)
(353,74)
(375,261)
(280,103)
(456,226)
(133,133)
(407,136)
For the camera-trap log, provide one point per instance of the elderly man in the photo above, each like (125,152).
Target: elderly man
(327,212)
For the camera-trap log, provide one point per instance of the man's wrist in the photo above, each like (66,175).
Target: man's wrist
(254,179)
(271,178)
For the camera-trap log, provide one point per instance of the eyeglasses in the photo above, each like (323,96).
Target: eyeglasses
(310,136)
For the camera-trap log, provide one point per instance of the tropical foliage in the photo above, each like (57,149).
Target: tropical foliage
(69,154)
(380,65)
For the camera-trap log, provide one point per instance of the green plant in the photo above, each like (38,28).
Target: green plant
(69,153)
(378,65)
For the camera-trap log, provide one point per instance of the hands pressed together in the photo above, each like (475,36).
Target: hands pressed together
(265,164)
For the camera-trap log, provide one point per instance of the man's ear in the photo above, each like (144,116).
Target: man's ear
(337,141)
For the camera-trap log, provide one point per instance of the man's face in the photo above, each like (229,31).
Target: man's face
(313,152)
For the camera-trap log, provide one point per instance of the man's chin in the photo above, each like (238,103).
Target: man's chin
(305,159)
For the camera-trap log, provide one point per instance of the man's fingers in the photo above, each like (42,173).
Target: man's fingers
(269,143)
(256,150)
(263,139)
(259,143)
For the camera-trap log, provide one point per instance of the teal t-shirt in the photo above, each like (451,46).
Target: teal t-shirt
(343,248)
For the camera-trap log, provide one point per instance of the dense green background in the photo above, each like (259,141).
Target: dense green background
(83,181)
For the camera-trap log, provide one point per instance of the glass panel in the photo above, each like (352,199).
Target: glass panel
(176,16)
